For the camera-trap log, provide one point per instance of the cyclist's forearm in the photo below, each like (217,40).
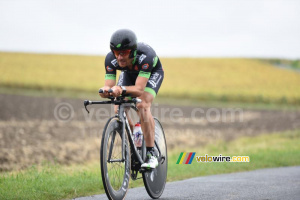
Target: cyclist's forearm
(139,87)
(110,83)
(135,91)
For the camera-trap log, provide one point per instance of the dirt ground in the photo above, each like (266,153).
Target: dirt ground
(38,129)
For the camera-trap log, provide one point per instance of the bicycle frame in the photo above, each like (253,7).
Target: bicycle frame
(123,119)
(125,124)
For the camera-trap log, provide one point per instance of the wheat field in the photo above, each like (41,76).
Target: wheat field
(217,79)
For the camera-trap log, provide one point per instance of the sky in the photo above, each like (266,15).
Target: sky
(189,28)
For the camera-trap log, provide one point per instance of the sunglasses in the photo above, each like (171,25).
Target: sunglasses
(122,52)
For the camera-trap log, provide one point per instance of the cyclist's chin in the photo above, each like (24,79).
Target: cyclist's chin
(122,64)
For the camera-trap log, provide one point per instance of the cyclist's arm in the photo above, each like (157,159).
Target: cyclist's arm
(110,83)
(143,77)
(107,85)
(139,87)
(110,75)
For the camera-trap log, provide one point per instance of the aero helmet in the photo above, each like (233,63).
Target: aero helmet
(124,39)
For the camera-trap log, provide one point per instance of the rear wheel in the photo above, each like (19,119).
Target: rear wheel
(115,172)
(155,180)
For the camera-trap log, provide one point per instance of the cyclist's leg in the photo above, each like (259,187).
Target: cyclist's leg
(145,114)
(147,98)
(147,122)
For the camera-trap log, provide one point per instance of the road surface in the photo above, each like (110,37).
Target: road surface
(275,183)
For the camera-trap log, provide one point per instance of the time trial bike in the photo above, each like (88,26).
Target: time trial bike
(121,160)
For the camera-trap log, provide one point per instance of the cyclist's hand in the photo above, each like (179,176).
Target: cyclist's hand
(105,93)
(117,91)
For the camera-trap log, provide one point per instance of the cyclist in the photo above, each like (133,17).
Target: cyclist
(141,76)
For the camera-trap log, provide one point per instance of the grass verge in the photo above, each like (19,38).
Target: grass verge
(50,181)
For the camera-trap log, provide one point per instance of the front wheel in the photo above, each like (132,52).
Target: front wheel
(155,180)
(115,172)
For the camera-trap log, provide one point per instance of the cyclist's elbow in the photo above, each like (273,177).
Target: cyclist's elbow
(139,91)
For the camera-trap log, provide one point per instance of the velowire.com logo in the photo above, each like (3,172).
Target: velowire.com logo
(187,158)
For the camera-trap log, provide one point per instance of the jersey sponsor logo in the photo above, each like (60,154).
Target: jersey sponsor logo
(142,57)
(114,62)
(136,68)
(154,76)
(152,83)
(145,66)
(109,69)
(154,79)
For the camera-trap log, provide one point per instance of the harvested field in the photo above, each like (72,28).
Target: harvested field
(38,129)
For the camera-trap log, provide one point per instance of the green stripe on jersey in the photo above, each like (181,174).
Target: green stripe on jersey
(145,74)
(155,59)
(110,76)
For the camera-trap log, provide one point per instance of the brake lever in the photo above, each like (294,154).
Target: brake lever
(87,102)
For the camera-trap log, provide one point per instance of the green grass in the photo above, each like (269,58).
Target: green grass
(51,181)
(294,64)
(265,151)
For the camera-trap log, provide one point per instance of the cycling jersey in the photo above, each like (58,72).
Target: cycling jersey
(146,64)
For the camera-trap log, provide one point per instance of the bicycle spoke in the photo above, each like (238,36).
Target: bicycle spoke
(116,170)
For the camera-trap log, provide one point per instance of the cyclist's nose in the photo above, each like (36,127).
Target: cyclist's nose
(120,56)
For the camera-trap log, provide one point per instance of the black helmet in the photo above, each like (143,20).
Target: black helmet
(124,39)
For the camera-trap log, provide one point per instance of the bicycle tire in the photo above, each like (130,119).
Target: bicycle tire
(155,180)
(115,175)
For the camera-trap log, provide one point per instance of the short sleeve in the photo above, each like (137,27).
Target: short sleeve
(148,64)
(110,66)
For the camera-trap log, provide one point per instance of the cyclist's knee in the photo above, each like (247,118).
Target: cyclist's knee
(143,106)
(116,107)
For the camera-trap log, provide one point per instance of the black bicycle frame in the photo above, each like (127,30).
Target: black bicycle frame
(125,125)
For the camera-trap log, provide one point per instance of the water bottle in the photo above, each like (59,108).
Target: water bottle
(138,135)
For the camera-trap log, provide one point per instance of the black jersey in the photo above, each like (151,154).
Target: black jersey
(145,63)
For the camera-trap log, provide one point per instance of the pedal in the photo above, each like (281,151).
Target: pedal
(143,170)
(162,159)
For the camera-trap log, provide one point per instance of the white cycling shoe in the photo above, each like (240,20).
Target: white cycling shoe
(151,162)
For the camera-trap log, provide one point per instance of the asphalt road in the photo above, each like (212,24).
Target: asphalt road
(275,183)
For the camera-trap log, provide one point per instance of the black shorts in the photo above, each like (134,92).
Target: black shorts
(127,78)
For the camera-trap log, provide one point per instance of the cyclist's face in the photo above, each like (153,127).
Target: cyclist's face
(123,57)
